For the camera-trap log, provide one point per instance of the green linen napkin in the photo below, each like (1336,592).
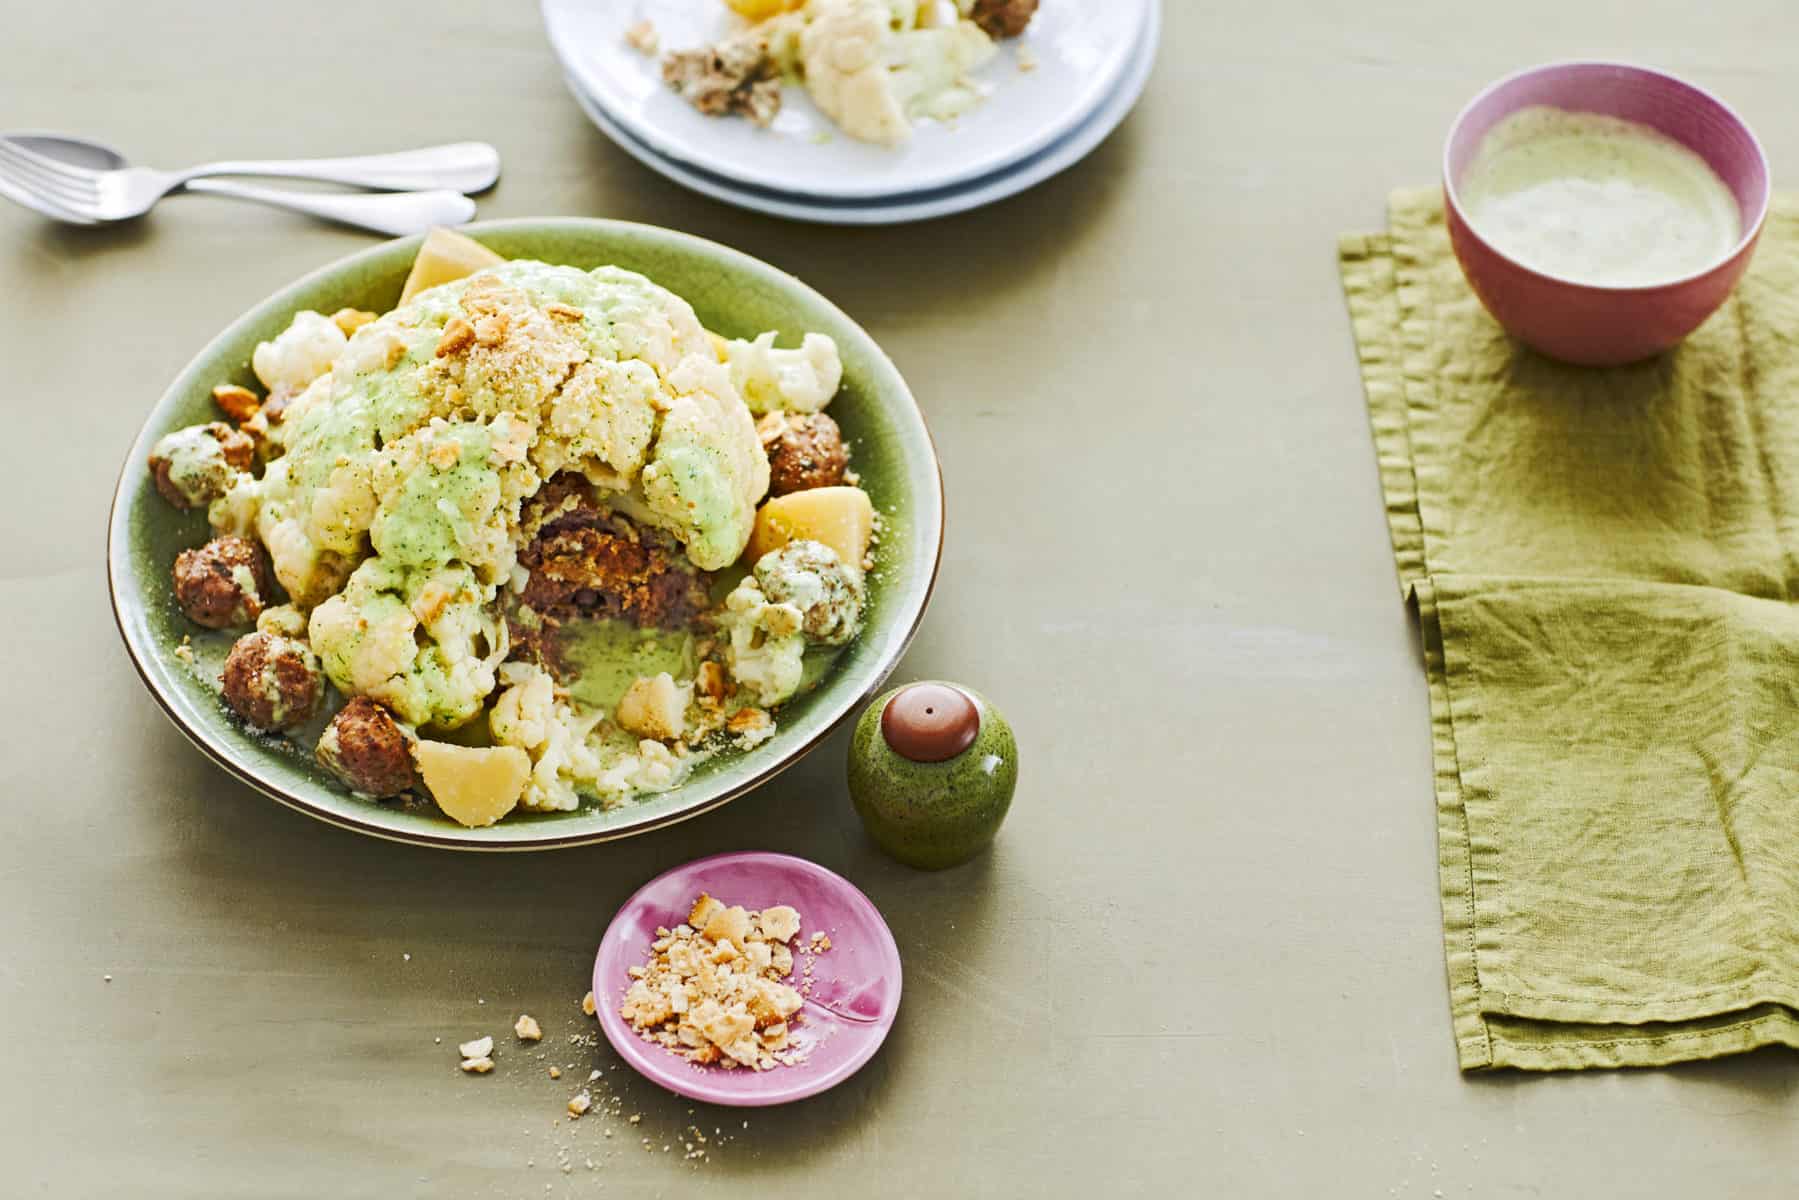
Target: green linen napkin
(1604,565)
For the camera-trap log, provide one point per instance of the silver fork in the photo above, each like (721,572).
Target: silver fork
(88,195)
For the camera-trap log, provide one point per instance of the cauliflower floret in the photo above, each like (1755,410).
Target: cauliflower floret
(531,715)
(568,753)
(927,69)
(440,500)
(654,768)
(602,422)
(841,53)
(300,354)
(809,576)
(423,643)
(234,513)
(708,469)
(772,380)
(871,66)
(765,648)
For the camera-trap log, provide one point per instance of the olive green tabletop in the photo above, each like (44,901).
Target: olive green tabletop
(1204,956)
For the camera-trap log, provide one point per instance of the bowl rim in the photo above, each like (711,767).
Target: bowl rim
(118,567)
(1750,234)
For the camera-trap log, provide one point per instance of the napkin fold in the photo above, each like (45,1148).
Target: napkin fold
(1604,565)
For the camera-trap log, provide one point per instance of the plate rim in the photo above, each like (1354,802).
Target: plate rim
(650,135)
(117,566)
(991,189)
(612,1025)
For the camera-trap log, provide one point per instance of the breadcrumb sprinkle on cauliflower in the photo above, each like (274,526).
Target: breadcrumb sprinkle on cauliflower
(400,456)
(409,449)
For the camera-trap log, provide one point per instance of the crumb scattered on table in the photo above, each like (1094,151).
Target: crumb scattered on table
(527,1028)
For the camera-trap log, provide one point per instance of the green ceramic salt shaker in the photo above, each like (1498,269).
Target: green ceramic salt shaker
(932,770)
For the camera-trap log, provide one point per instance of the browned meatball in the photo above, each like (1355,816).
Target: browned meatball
(223,583)
(192,467)
(1003,18)
(804,452)
(272,682)
(367,749)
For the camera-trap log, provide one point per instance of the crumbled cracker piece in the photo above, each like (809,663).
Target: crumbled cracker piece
(527,1028)
(458,335)
(702,911)
(642,38)
(351,319)
(477,1066)
(781,922)
(710,682)
(479,1048)
(579,1104)
(712,989)
(588,1006)
(238,403)
(444,455)
(555,1072)
(731,923)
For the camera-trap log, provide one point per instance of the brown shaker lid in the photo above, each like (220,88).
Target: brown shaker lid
(930,722)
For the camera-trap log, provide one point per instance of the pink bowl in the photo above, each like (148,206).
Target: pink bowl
(1592,324)
(854,991)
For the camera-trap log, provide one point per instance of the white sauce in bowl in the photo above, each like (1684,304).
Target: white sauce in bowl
(1597,199)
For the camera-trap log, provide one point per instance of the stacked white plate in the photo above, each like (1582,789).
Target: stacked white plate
(1052,96)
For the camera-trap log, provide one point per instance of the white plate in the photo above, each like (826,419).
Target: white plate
(1082,50)
(917,206)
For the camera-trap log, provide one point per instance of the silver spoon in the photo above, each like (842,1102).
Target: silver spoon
(86,182)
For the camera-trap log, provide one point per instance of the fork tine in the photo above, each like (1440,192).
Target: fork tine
(46,170)
(87,211)
(25,172)
(54,166)
(29,194)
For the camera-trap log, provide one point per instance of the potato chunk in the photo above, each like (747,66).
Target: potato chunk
(446,256)
(840,517)
(474,785)
(761,10)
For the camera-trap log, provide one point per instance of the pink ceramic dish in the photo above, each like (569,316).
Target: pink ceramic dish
(1589,324)
(855,990)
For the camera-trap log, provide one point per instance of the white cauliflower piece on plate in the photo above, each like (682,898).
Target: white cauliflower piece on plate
(828,594)
(842,54)
(532,715)
(769,379)
(426,644)
(301,353)
(765,645)
(928,69)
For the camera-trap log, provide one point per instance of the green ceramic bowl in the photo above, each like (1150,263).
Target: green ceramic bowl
(733,294)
